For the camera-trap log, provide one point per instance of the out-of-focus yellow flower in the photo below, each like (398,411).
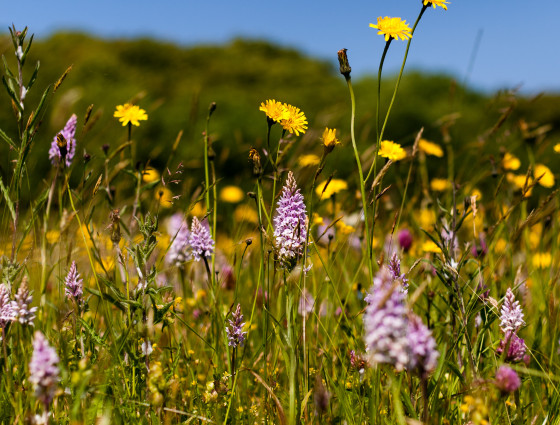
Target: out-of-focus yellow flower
(295,120)
(511,162)
(150,175)
(500,247)
(392,27)
(335,186)
(329,139)
(246,213)
(439,185)
(477,193)
(344,228)
(434,3)
(430,246)
(53,236)
(430,148)
(198,210)
(519,181)
(427,219)
(164,197)
(535,235)
(317,219)
(557,148)
(547,178)
(231,194)
(132,114)
(308,160)
(542,260)
(391,150)
(274,110)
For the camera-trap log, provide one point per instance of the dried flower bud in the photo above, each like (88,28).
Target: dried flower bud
(115,227)
(256,159)
(345,68)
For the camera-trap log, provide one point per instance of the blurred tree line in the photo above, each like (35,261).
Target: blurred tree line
(175,85)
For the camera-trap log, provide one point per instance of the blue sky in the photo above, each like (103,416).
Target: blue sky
(518,39)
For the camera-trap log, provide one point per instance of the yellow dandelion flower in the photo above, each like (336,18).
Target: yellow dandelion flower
(317,219)
(547,178)
(231,194)
(430,148)
(439,185)
(150,175)
(294,121)
(53,236)
(308,160)
(335,186)
(344,228)
(542,260)
(430,246)
(392,27)
(391,150)
(132,114)
(557,148)
(274,110)
(245,213)
(511,162)
(434,3)
(165,197)
(329,139)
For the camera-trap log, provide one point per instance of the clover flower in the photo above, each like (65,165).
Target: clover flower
(73,283)
(21,312)
(235,333)
(132,114)
(65,152)
(507,380)
(392,28)
(512,315)
(43,370)
(200,240)
(405,239)
(290,224)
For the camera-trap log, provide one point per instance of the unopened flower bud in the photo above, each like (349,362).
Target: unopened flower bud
(345,68)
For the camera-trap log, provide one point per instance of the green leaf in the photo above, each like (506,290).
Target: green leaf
(33,76)
(9,141)
(40,107)
(91,332)
(8,200)
(12,94)
(7,68)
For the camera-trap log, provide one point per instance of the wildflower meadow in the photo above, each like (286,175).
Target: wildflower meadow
(334,275)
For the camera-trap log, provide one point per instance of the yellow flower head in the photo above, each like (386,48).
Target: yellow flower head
(392,27)
(308,160)
(232,194)
(335,186)
(246,213)
(329,139)
(439,185)
(511,162)
(430,246)
(165,197)
(547,178)
(557,148)
(294,121)
(391,150)
(150,175)
(434,3)
(430,148)
(542,260)
(274,110)
(128,113)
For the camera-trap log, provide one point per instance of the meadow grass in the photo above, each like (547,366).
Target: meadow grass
(423,289)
